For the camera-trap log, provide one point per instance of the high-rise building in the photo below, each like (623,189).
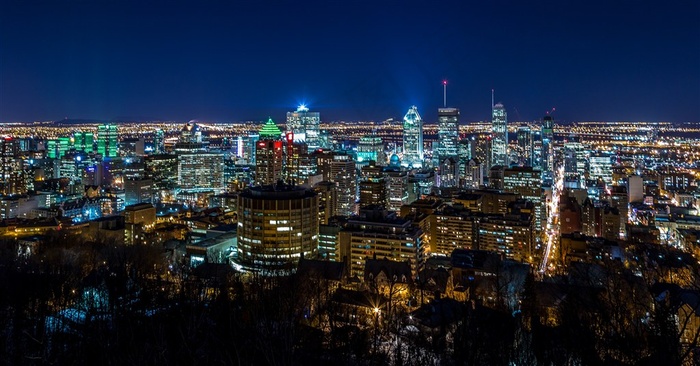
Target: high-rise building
(448,132)
(371,148)
(201,170)
(525,146)
(412,139)
(526,182)
(376,232)
(546,157)
(373,192)
(499,142)
(277,225)
(575,163)
(306,126)
(452,228)
(83,141)
(138,191)
(449,172)
(339,168)
(11,172)
(158,142)
(299,163)
(327,201)
(600,166)
(107,141)
(509,235)
(190,139)
(397,188)
(269,155)
(162,169)
(473,174)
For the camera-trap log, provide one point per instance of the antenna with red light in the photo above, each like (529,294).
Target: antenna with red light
(550,112)
(444,93)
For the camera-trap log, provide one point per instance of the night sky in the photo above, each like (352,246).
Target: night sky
(350,60)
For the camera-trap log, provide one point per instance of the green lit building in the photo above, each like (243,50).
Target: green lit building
(107,141)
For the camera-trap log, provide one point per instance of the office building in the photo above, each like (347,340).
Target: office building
(327,201)
(448,133)
(375,232)
(526,182)
(397,188)
(412,139)
(499,141)
(11,170)
(510,235)
(269,155)
(138,191)
(305,126)
(371,148)
(201,170)
(277,225)
(525,146)
(162,170)
(158,142)
(339,168)
(107,141)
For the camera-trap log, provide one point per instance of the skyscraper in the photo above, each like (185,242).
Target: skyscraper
(269,155)
(277,225)
(547,140)
(371,148)
(499,143)
(526,183)
(448,133)
(158,141)
(305,125)
(107,141)
(11,173)
(525,145)
(412,139)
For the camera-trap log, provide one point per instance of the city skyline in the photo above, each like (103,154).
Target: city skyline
(223,62)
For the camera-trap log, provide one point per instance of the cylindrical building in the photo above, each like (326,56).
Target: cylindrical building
(276,225)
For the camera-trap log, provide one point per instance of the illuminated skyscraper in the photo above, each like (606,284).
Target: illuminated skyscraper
(339,168)
(277,225)
(547,140)
(269,155)
(499,143)
(448,132)
(525,145)
(83,141)
(11,173)
(526,182)
(107,140)
(158,142)
(412,139)
(305,125)
(371,148)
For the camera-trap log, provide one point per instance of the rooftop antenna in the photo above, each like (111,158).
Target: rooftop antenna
(491,98)
(444,93)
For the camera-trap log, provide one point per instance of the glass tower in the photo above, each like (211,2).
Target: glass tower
(306,126)
(499,143)
(448,132)
(107,141)
(412,139)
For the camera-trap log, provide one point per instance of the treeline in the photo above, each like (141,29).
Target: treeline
(74,302)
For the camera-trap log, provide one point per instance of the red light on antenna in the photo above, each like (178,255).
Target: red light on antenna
(444,82)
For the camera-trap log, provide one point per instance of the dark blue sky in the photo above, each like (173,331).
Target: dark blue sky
(234,60)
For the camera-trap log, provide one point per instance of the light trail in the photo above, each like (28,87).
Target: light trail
(552,231)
